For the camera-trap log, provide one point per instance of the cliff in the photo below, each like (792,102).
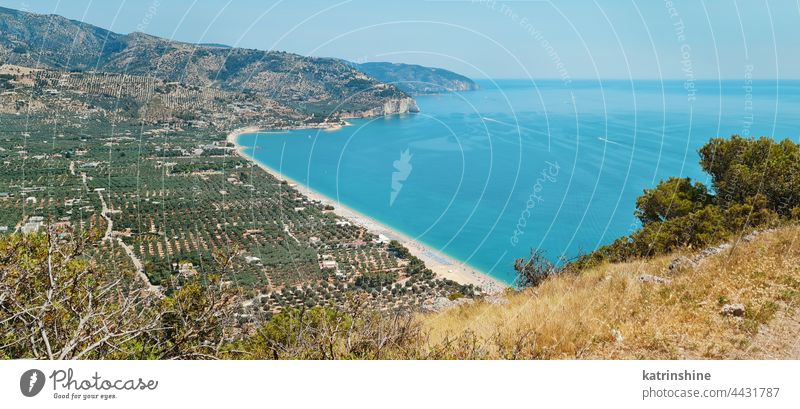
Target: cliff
(390,107)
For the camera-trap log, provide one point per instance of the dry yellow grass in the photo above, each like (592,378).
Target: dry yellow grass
(608,313)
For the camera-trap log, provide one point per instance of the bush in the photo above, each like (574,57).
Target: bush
(532,272)
(455,296)
(698,229)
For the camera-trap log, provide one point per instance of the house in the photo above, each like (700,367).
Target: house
(33,225)
(62,225)
(328,262)
(253,232)
(186,269)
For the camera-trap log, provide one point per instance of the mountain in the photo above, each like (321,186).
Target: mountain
(416,79)
(314,86)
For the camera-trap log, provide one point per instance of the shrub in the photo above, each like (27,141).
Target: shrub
(455,296)
(531,272)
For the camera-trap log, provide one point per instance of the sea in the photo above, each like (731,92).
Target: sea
(487,176)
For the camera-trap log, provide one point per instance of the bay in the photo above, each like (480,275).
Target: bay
(485,176)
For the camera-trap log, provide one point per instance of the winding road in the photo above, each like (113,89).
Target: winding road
(106,214)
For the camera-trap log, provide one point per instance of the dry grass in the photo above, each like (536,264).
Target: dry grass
(608,313)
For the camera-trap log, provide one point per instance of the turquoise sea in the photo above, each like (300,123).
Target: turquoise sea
(487,175)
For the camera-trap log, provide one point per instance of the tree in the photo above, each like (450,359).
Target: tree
(534,270)
(755,186)
(55,303)
(754,212)
(398,249)
(672,198)
(742,168)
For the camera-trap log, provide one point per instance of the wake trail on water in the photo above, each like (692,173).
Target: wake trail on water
(522,128)
(606,140)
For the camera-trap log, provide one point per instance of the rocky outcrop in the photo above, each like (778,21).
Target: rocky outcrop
(443,303)
(681,263)
(649,278)
(389,107)
(732,310)
(684,262)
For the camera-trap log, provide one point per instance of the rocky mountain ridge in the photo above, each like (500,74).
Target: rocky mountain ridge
(417,79)
(319,87)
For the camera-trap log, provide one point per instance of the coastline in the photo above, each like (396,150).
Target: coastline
(442,264)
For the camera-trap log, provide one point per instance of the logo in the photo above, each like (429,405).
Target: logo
(402,168)
(31,382)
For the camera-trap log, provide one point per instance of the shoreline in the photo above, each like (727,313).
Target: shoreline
(442,264)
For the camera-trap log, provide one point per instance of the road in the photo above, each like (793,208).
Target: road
(106,214)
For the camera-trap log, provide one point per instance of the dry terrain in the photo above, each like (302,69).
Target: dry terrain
(740,303)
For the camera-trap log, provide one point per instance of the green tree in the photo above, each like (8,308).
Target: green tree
(674,197)
(742,168)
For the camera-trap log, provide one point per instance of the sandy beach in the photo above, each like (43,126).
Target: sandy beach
(441,264)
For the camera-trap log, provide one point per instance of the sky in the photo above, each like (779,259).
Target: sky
(563,39)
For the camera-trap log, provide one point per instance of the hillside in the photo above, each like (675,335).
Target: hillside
(416,79)
(81,94)
(322,86)
(643,310)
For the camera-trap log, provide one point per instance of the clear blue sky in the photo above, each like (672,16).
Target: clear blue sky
(515,39)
